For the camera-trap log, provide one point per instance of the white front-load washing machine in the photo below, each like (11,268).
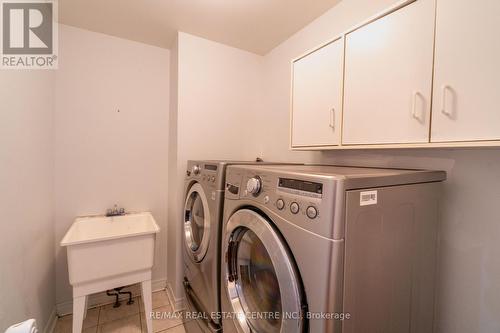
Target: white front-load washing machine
(202,220)
(328,249)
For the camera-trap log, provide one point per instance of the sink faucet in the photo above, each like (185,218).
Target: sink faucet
(115,211)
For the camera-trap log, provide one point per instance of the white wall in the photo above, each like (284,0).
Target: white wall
(219,89)
(111,135)
(469,268)
(27,274)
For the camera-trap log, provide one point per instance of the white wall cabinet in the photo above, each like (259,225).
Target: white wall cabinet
(424,73)
(317,96)
(388,77)
(467,71)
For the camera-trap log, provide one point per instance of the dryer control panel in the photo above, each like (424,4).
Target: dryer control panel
(303,201)
(204,173)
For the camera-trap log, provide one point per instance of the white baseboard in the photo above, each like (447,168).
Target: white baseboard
(50,327)
(65,308)
(177,303)
(159,285)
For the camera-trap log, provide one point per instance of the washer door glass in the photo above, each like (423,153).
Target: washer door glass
(262,280)
(196,222)
(257,283)
(195,218)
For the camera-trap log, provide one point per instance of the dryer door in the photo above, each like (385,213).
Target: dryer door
(261,279)
(196,223)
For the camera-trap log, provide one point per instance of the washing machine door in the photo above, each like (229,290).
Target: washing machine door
(196,223)
(262,282)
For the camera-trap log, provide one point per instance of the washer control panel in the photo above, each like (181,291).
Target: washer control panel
(299,199)
(203,173)
(307,201)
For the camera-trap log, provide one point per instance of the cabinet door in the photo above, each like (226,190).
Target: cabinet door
(467,71)
(388,77)
(317,97)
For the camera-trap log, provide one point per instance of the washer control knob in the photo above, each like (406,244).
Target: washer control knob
(196,169)
(311,212)
(294,207)
(254,185)
(280,204)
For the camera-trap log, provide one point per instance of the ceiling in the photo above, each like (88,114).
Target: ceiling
(253,25)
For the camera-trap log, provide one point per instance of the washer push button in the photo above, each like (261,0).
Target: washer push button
(280,204)
(294,207)
(311,212)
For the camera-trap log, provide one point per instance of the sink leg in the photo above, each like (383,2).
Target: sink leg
(147,299)
(78,313)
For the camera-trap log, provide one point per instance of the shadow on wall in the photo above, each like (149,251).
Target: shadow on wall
(412,159)
(42,293)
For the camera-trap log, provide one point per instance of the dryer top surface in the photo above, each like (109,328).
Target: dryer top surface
(353,177)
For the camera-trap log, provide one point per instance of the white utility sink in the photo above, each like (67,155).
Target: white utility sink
(99,228)
(109,252)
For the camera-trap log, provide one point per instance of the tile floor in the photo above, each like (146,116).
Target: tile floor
(126,318)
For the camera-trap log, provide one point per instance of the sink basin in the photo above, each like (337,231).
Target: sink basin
(102,247)
(100,228)
(110,252)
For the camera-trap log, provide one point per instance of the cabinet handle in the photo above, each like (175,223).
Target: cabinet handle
(332,118)
(414,112)
(444,110)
